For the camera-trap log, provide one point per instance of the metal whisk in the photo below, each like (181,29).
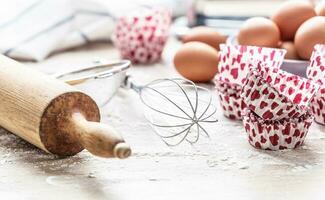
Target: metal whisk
(177,109)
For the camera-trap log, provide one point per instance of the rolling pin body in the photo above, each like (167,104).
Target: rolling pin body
(53,115)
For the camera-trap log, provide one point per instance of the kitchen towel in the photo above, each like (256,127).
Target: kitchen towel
(33,29)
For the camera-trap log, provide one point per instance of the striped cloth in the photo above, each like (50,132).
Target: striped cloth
(33,29)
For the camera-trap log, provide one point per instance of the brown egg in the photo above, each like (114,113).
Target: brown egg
(291,15)
(311,32)
(197,61)
(320,8)
(259,31)
(291,50)
(206,35)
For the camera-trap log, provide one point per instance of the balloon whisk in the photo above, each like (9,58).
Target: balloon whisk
(177,109)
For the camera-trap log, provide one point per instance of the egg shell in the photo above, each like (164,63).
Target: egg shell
(259,31)
(291,50)
(206,35)
(290,16)
(197,61)
(311,32)
(320,8)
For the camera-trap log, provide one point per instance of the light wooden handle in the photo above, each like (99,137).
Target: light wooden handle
(99,139)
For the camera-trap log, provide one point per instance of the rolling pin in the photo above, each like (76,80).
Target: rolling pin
(53,115)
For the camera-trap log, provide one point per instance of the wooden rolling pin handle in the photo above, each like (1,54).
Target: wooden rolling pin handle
(99,139)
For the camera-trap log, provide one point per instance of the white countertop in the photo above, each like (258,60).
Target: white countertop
(224,167)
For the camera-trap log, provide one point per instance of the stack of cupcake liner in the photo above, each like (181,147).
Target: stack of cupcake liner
(316,72)
(278,113)
(234,65)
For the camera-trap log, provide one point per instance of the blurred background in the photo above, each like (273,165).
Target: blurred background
(33,29)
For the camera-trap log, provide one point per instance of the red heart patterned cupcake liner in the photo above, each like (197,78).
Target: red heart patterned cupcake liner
(316,72)
(230,100)
(226,87)
(141,36)
(318,106)
(236,60)
(276,134)
(316,68)
(274,94)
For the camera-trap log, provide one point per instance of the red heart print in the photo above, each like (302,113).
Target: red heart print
(297,144)
(282,87)
(274,139)
(248,92)
(238,60)
(252,107)
(263,140)
(260,128)
(274,105)
(253,133)
(288,140)
(263,104)
(265,91)
(243,105)
(277,80)
(286,130)
(282,147)
(291,91)
(258,145)
(242,66)
(227,99)
(297,98)
(255,95)
(272,96)
(296,133)
(268,115)
(234,73)
(302,134)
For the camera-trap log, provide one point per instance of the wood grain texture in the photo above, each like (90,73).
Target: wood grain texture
(24,95)
(43,111)
(55,133)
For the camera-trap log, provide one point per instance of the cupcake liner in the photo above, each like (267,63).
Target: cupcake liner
(274,94)
(141,36)
(236,60)
(318,106)
(316,72)
(316,68)
(226,87)
(230,100)
(232,105)
(276,134)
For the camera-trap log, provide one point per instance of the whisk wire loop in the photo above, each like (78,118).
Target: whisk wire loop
(176,109)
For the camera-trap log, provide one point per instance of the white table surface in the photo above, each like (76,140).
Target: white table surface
(224,167)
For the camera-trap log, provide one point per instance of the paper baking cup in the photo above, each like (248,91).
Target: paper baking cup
(226,87)
(316,72)
(274,94)
(236,60)
(141,36)
(318,106)
(316,68)
(230,100)
(276,134)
